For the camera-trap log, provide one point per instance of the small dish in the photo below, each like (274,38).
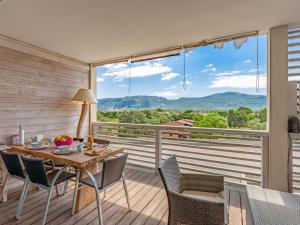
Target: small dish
(64,148)
(94,145)
(58,152)
(37,138)
(79,147)
(37,144)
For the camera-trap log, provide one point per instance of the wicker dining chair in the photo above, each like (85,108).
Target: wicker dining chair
(194,199)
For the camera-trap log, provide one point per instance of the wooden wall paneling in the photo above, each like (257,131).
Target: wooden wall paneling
(36,93)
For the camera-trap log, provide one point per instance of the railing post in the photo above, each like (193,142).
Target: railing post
(265,161)
(158,152)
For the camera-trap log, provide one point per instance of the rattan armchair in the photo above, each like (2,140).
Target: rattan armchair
(194,199)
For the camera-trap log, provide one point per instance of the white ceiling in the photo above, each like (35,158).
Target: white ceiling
(93,30)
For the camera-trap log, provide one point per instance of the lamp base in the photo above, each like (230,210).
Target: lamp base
(83,113)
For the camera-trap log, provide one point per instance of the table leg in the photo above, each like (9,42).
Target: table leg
(86,195)
(3,182)
(3,190)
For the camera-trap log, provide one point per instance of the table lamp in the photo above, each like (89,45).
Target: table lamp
(86,97)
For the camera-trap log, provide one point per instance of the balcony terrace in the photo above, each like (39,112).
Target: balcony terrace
(49,55)
(148,198)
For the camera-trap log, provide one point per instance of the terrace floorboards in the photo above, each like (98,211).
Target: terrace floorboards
(147,196)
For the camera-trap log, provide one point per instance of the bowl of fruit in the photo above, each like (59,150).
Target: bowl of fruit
(63,140)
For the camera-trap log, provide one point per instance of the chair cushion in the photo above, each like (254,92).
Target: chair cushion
(88,181)
(206,196)
(62,177)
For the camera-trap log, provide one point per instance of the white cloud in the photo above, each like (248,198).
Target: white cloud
(169,76)
(116,65)
(187,82)
(100,79)
(294,78)
(252,71)
(234,72)
(209,68)
(120,71)
(247,61)
(238,81)
(167,93)
(170,88)
(188,52)
(170,92)
(255,71)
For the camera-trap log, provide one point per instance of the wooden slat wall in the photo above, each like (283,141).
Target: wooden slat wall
(36,93)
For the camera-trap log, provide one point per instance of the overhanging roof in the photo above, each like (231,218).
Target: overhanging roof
(95,30)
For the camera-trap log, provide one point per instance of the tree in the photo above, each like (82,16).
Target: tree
(197,119)
(210,120)
(245,110)
(188,114)
(250,114)
(107,117)
(237,118)
(241,117)
(131,116)
(159,110)
(173,117)
(256,125)
(223,113)
(262,115)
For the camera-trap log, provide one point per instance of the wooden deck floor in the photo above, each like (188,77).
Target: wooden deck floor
(148,200)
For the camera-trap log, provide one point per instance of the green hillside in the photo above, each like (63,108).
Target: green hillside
(220,101)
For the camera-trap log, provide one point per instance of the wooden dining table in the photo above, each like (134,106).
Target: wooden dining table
(78,160)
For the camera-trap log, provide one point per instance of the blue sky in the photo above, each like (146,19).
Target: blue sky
(208,71)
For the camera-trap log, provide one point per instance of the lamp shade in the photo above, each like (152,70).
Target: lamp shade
(84,95)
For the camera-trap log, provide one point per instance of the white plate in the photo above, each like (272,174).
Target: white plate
(37,148)
(57,152)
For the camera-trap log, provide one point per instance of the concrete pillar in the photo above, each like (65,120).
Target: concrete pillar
(278,108)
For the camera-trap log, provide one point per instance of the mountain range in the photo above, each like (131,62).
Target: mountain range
(219,101)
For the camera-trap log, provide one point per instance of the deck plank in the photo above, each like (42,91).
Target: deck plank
(247,220)
(114,191)
(113,195)
(147,192)
(148,200)
(32,201)
(34,212)
(235,212)
(164,220)
(113,207)
(147,205)
(158,213)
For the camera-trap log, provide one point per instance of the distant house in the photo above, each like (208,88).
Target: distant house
(178,134)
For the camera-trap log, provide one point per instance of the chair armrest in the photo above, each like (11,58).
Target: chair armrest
(189,210)
(202,182)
